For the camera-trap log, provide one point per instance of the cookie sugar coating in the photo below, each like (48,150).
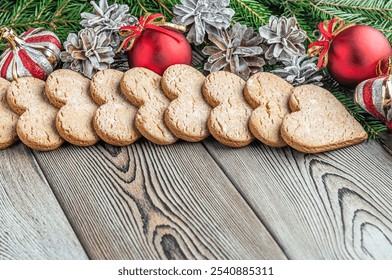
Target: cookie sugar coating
(36,125)
(269,95)
(187,114)
(114,120)
(142,88)
(228,121)
(8,119)
(319,122)
(70,92)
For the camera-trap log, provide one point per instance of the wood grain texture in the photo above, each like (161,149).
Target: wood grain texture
(336,205)
(33,226)
(386,142)
(151,202)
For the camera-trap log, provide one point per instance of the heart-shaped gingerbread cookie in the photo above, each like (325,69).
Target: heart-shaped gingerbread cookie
(142,87)
(269,95)
(114,120)
(188,112)
(319,122)
(36,125)
(228,121)
(8,119)
(70,92)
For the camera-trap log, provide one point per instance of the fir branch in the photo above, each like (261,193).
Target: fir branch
(247,7)
(60,11)
(43,8)
(20,11)
(160,2)
(375,13)
(141,6)
(355,7)
(250,12)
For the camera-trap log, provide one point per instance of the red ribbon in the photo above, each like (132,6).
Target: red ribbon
(155,22)
(329,30)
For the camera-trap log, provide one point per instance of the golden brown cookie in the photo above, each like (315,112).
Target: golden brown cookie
(70,92)
(36,125)
(188,112)
(8,119)
(269,96)
(142,88)
(319,122)
(228,121)
(114,120)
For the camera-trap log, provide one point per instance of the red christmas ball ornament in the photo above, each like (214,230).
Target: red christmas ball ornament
(155,44)
(350,52)
(157,51)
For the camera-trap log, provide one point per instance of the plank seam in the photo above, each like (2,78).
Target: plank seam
(233,182)
(43,173)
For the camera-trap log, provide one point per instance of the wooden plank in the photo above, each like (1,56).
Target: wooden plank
(151,202)
(386,142)
(336,205)
(33,226)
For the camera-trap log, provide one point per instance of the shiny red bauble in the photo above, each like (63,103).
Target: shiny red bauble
(354,53)
(157,51)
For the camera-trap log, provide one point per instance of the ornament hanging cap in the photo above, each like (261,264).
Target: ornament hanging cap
(149,21)
(329,30)
(10,35)
(384,67)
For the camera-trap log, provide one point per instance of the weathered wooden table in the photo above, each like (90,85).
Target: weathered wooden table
(195,201)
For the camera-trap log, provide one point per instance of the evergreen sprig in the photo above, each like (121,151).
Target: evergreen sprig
(375,13)
(250,12)
(63,17)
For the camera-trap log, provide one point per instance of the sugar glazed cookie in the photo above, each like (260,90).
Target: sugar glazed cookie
(70,92)
(187,114)
(36,125)
(8,118)
(142,88)
(269,95)
(228,121)
(319,122)
(114,120)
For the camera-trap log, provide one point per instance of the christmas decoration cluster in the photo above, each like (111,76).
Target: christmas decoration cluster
(239,49)
(112,38)
(119,108)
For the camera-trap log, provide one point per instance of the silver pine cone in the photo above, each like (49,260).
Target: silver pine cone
(108,19)
(300,70)
(203,17)
(283,39)
(87,52)
(237,51)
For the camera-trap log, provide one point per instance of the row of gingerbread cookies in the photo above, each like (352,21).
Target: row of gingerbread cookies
(181,104)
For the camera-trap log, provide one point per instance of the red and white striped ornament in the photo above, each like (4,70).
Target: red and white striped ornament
(375,96)
(35,53)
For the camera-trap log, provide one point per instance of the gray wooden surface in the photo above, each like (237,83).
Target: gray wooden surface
(335,205)
(195,201)
(151,202)
(33,225)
